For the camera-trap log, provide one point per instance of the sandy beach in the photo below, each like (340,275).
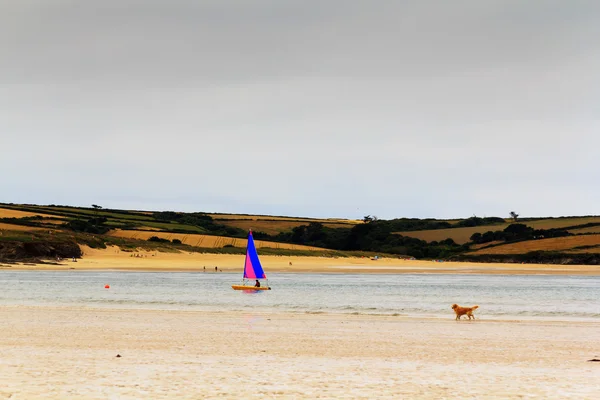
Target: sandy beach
(71,352)
(114,259)
(78,351)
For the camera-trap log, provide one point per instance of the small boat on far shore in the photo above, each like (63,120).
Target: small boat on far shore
(252,269)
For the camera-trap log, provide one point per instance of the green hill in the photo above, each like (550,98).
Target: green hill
(458,239)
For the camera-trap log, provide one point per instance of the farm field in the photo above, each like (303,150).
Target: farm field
(114,219)
(561,222)
(291,219)
(133,228)
(13,227)
(273,227)
(591,229)
(9,213)
(480,245)
(462,235)
(595,250)
(459,235)
(169,226)
(93,213)
(550,244)
(207,241)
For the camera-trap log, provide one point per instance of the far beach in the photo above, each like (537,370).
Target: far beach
(113,258)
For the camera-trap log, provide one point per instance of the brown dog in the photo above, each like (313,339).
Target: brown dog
(460,311)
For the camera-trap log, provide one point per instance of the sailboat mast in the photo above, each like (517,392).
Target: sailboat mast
(247,246)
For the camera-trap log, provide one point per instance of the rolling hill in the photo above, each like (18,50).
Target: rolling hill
(565,239)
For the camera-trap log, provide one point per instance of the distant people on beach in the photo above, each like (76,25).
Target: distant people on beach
(216,269)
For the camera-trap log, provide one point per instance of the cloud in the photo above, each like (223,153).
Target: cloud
(334,108)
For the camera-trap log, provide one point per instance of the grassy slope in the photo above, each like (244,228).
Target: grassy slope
(207,241)
(588,243)
(592,229)
(273,227)
(279,218)
(131,244)
(11,213)
(143,220)
(142,225)
(13,227)
(462,235)
(147,226)
(459,235)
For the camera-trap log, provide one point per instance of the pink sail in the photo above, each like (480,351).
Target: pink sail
(252,267)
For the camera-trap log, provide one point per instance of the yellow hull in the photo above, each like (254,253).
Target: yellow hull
(242,287)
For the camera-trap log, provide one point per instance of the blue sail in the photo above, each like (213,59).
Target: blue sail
(252,267)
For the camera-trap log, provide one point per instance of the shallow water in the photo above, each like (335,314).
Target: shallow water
(499,296)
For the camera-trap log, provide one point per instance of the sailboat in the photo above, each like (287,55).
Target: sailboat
(252,268)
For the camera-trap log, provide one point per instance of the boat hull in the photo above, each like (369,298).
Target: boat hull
(243,287)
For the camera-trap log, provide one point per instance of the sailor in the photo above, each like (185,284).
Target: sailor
(257,284)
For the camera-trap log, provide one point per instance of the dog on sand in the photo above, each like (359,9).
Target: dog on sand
(460,311)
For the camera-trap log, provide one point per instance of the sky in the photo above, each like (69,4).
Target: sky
(329,108)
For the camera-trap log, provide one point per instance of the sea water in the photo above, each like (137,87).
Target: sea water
(414,295)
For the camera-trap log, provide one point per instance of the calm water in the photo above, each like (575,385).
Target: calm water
(499,296)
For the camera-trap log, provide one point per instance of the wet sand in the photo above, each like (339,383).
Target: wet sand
(70,352)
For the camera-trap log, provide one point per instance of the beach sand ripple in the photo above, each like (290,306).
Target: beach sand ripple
(71,353)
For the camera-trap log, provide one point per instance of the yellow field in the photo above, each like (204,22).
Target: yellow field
(8,213)
(581,251)
(562,222)
(480,245)
(304,221)
(273,227)
(462,235)
(551,244)
(593,229)
(206,240)
(53,221)
(459,235)
(12,227)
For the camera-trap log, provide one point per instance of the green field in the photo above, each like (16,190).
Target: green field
(463,234)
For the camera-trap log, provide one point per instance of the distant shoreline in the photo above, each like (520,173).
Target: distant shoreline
(151,261)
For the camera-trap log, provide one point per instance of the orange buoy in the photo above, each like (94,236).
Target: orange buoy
(106,286)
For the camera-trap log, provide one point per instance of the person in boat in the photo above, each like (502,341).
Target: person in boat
(257,284)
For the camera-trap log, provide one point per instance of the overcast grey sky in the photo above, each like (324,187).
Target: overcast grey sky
(307,108)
